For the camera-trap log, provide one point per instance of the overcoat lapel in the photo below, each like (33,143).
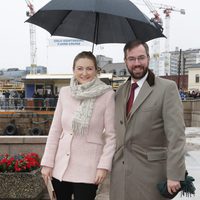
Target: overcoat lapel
(124,98)
(145,91)
(143,94)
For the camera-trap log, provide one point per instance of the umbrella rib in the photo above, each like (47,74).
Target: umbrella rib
(96,28)
(132,28)
(61,21)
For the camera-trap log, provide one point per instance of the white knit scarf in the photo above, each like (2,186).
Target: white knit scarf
(87,94)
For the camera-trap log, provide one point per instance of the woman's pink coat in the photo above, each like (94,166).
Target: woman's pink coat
(74,157)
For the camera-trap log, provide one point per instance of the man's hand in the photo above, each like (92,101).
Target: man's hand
(173,186)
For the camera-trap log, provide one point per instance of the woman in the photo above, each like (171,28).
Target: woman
(81,141)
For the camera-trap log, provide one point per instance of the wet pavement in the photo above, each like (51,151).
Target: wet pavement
(192,160)
(192,165)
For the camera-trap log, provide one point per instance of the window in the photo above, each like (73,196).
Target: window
(114,72)
(122,72)
(197,78)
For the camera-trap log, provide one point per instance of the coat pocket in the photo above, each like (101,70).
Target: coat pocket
(155,156)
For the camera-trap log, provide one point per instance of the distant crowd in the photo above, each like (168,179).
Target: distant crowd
(12,99)
(16,100)
(46,101)
(189,95)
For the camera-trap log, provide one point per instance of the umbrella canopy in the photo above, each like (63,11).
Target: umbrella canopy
(97,21)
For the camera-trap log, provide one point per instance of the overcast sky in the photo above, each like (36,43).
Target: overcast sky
(15,38)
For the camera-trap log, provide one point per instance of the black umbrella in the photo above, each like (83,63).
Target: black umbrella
(97,21)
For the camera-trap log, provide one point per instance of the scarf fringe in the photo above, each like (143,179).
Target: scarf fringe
(78,128)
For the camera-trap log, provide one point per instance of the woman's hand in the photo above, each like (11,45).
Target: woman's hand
(46,173)
(100,176)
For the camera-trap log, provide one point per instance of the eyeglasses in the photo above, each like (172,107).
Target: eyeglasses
(88,69)
(139,59)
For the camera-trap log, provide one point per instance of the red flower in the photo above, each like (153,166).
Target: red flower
(19,163)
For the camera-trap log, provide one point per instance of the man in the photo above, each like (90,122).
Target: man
(150,137)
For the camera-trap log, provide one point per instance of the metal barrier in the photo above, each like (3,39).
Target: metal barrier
(28,103)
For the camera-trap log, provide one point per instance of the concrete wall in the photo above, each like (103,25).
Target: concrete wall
(192,113)
(187,106)
(25,121)
(22,144)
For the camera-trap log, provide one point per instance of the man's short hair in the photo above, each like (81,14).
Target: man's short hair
(134,43)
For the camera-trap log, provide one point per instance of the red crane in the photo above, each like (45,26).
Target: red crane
(152,9)
(167,11)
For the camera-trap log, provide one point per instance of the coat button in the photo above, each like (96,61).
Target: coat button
(123,162)
(67,154)
(121,122)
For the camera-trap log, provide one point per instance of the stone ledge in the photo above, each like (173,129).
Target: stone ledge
(22,144)
(35,139)
(23,139)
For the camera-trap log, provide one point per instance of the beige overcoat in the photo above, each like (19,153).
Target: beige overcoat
(150,142)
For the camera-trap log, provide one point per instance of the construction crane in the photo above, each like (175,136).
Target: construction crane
(156,46)
(156,42)
(157,17)
(167,11)
(33,47)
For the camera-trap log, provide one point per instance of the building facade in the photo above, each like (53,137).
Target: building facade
(39,70)
(180,62)
(103,60)
(175,62)
(194,77)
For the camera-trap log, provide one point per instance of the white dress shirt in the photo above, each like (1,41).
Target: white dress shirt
(140,84)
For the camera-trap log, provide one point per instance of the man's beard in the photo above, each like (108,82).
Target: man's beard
(138,76)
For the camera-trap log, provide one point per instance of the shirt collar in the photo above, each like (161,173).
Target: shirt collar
(141,81)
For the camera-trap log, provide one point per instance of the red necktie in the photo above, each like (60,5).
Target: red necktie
(131,97)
